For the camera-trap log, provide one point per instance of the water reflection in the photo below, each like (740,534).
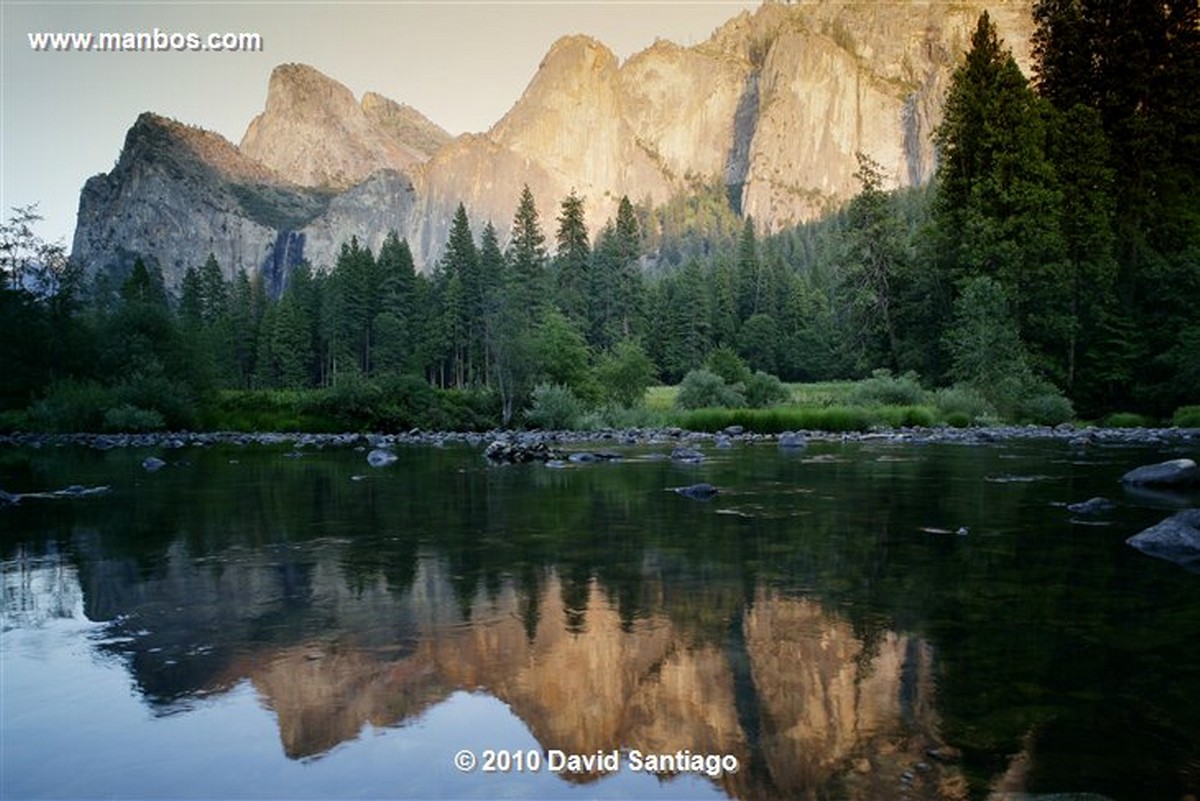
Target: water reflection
(792,691)
(821,634)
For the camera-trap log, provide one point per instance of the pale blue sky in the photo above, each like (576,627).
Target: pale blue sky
(63,116)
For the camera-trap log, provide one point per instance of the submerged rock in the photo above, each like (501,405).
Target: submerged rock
(1092,506)
(594,456)
(700,492)
(1176,539)
(381,458)
(1173,473)
(689,455)
(73,491)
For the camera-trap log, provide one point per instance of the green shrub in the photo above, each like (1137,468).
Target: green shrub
(13,420)
(1186,417)
(900,416)
(958,419)
(554,407)
(701,389)
(352,404)
(71,406)
(726,363)
(173,400)
(269,410)
(961,401)
(1126,420)
(458,410)
(131,419)
(625,373)
(884,389)
(764,389)
(1048,408)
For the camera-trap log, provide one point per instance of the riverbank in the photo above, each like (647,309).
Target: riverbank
(1076,436)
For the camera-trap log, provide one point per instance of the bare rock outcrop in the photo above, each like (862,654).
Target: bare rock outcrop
(314,131)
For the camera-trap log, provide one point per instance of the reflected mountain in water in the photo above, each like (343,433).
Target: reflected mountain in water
(823,635)
(791,690)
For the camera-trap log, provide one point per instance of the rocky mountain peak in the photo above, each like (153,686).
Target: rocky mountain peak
(314,131)
(157,139)
(405,125)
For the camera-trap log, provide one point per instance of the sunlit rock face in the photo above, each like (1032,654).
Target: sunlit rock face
(568,132)
(775,105)
(315,133)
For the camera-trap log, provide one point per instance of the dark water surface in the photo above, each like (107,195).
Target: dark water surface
(242,624)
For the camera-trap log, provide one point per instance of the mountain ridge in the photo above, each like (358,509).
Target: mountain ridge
(775,105)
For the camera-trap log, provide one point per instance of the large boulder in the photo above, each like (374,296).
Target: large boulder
(1176,539)
(1173,473)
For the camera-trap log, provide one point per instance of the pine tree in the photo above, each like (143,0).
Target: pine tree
(246,306)
(998,207)
(629,289)
(571,261)
(291,343)
(463,298)
(874,258)
(397,324)
(527,260)
(748,276)
(353,303)
(191,305)
(604,326)
(214,291)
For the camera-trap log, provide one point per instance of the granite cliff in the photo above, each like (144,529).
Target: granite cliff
(774,105)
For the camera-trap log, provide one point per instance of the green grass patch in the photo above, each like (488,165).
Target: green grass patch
(661,397)
(901,416)
(822,393)
(1127,420)
(1187,417)
(777,419)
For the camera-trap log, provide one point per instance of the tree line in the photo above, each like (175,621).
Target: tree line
(1054,259)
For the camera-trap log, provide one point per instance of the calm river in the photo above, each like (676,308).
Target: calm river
(249,623)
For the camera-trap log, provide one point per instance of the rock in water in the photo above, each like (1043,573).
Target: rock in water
(792,440)
(152,463)
(1092,506)
(699,492)
(1173,473)
(688,455)
(380,458)
(1176,539)
(501,452)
